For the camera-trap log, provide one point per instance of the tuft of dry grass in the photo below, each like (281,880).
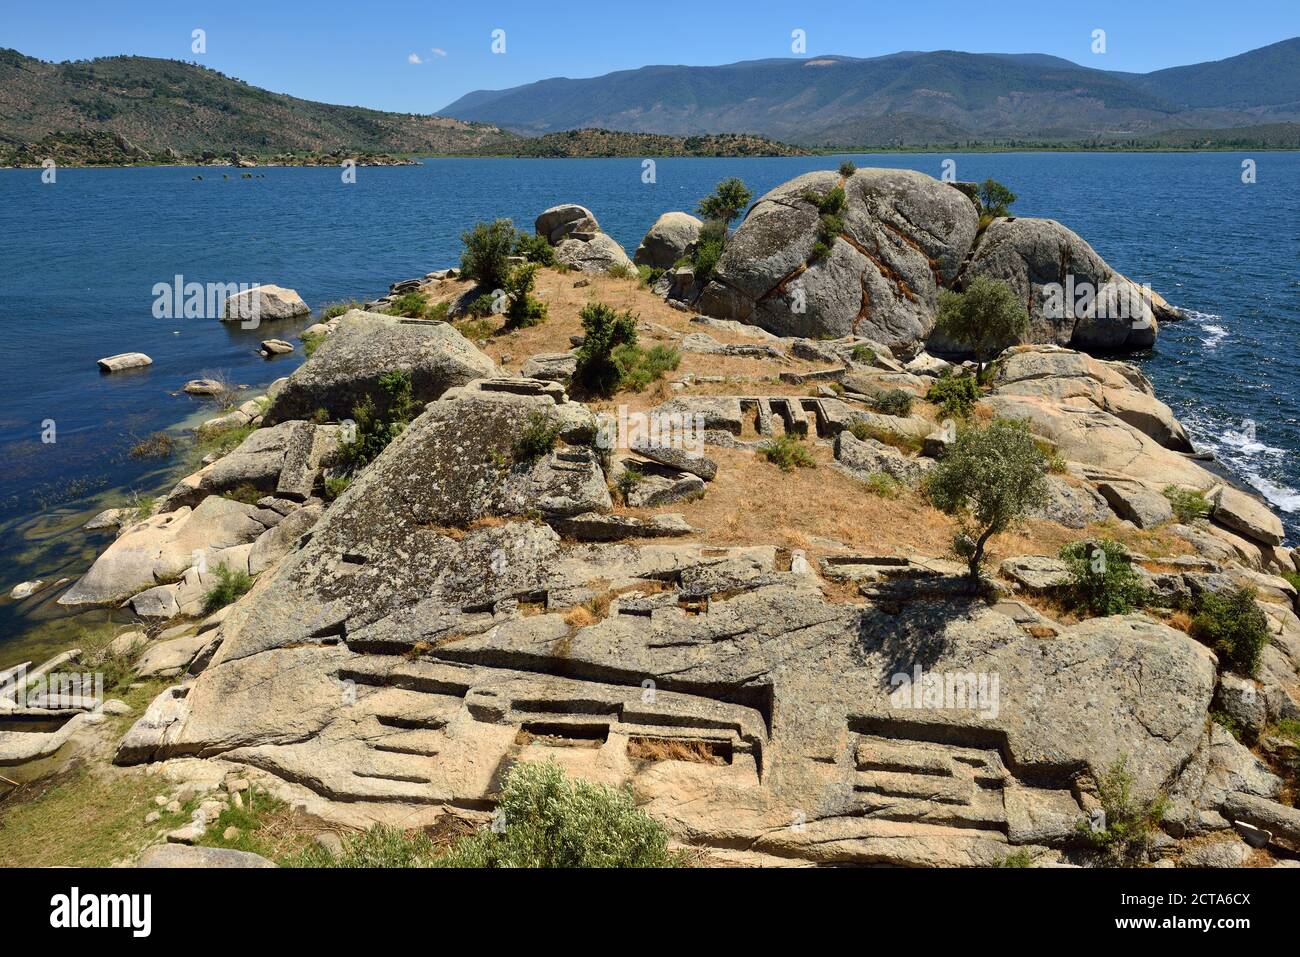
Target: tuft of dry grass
(673,749)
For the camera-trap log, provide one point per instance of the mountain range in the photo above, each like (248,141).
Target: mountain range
(913,97)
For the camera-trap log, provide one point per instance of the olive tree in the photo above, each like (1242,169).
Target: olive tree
(985,318)
(995,197)
(988,479)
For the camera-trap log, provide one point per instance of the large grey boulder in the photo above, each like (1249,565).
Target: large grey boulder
(670,238)
(578,240)
(264,302)
(560,222)
(189,856)
(1045,263)
(1247,515)
(905,235)
(349,363)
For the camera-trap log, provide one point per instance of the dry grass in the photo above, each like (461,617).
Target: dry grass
(672,749)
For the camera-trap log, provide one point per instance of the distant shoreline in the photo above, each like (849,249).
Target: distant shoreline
(853,151)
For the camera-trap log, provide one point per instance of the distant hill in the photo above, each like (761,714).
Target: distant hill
(153,106)
(913,97)
(592,143)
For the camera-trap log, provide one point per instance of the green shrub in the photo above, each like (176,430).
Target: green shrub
(726,201)
(522,308)
(622,271)
(1293,578)
(820,250)
(1188,504)
(639,367)
(482,307)
(628,480)
(550,821)
(311,342)
(1103,580)
(788,452)
(156,445)
(894,402)
(378,424)
(219,440)
(708,250)
(231,584)
(985,318)
(884,485)
(954,395)
(1019,858)
(864,354)
(848,168)
(438,311)
(1234,627)
(409,305)
(988,480)
(338,308)
(336,485)
(649,275)
(1124,834)
(604,329)
(486,257)
(546,820)
(537,438)
(534,248)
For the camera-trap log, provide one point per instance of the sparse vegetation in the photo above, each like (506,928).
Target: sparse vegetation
(410,305)
(864,354)
(708,249)
(1234,627)
(375,425)
(537,439)
(486,257)
(1188,504)
(985,318)
(1123,832)
(335,309)
(954,395)
(219,440)
(231,584)
(311,341)
(884,485)
(788,453)
(988,480)
(848,168)
(336,485)
(622,271)
(1103,580)
(639,367)
(894,402)
(155,445)
(628,480)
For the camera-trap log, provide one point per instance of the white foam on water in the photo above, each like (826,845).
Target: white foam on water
(1279,496)
(1209,323)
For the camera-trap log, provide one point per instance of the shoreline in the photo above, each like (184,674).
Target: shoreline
(864,151)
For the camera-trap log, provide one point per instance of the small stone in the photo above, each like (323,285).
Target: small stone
(25,589)
(124,360)
(114,707)
(152,816)
(160,800)
(330,842)
(185,835)
(173,808)
(230,833)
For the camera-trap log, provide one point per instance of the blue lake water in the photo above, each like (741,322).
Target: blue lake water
(79,259)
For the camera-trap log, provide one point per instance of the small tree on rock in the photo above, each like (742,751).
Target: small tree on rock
(726,201)
(604,330)
(989,479)
(985,318)
(995,198)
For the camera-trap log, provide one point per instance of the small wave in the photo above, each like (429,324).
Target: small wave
(1279,496)
(1210,324)
(1247,443)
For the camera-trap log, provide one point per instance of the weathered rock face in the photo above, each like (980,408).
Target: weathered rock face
(1047,265)
(578,240)
(670,238)
(435,628)
(905,236)
(348,364)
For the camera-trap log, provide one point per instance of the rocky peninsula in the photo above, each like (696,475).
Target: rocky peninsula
(761,630)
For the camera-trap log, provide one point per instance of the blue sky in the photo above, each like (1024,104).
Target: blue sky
(362,52)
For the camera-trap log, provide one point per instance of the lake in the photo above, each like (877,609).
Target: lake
(81,257)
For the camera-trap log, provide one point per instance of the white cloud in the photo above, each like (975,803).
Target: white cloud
(439,51)
(414,58)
